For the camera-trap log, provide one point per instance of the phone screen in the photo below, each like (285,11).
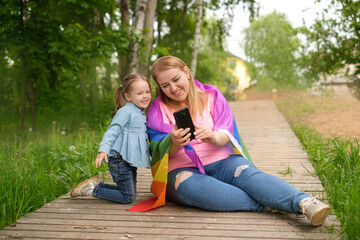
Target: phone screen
(183,120)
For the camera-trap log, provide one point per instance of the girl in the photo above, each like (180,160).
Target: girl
(124,145)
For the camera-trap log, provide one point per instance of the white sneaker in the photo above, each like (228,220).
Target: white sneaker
(315,210)
(86,187)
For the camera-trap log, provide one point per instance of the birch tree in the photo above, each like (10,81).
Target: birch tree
(196,37)
(94,73)
(24,77)
(138,26)
(148,32)
(125,21)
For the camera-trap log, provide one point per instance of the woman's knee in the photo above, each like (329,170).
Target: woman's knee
(181,177)
(235,166)
(240,169)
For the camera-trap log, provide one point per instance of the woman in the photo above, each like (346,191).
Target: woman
(209,172)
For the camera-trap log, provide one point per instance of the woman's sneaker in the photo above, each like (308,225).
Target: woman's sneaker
(315,210)
(86,187)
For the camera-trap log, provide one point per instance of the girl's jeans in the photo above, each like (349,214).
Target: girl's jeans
(232,184)
(124,176)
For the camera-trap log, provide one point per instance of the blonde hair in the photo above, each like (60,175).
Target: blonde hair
(195,98)
(125,87)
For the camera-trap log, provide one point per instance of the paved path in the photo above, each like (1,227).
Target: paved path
(274,149)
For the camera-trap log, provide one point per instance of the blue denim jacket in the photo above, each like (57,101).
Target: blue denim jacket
(128,136)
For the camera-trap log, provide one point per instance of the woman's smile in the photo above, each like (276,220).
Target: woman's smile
(178,92)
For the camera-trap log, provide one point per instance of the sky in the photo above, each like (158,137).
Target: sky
(296,11)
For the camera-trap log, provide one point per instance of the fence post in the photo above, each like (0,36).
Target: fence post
(274,94)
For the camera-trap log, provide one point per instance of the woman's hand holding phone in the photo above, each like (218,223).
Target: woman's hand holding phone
(184,121)
(180,137)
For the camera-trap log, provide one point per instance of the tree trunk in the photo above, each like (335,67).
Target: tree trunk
(23,92)
(94,74)
(32,103)
(159,24)
(172,13)
(149,26)
(138,25)
(196,38)
(107,79)
(4,93)
(125,21)
(108,65)
(52,79)
(83,87)
(23,69)
(94,83)
(185,10)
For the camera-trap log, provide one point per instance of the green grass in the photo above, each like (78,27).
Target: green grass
(287,170)
(337,163)
(38,166)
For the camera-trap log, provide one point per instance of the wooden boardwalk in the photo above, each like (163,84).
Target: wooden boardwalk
(274,149)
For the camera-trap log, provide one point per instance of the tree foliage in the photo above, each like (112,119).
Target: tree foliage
(333,42)
(56,46)
(66,57)
(271,45)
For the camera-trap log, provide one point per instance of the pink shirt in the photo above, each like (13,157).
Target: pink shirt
(207,152)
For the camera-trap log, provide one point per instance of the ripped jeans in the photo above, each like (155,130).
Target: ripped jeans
(232,184)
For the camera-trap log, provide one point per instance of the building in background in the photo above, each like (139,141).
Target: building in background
(239,69)
(341,84)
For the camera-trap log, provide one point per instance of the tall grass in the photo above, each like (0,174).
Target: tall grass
(38,166)
(337,163)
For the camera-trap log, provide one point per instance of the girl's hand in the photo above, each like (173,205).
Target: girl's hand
(205,134)
(99,159)
(180,137)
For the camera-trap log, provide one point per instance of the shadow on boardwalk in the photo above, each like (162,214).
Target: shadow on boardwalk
(274,149)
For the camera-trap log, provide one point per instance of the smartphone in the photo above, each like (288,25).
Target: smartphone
(183,120)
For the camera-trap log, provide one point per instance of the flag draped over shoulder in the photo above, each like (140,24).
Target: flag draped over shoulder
(160,144)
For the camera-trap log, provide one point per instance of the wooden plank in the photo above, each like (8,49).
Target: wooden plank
(195,226)
(146,233)
(277,218)
(274,149)
(150,224)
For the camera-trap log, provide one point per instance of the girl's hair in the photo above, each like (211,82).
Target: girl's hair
(195,99)
(125,87)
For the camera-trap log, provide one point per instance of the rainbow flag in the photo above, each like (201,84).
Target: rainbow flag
(160,144)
